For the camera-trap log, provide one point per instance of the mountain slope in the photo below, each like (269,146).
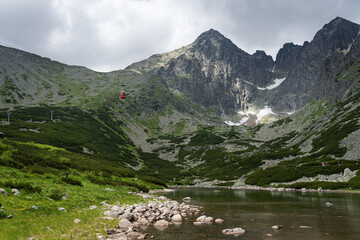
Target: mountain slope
(171,123)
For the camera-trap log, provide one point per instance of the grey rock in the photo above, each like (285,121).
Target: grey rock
(277,227)
(76,221)
(61,209)
(4,192)
(15,191)
(234,231)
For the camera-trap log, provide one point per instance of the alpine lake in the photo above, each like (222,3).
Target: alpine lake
(256,211)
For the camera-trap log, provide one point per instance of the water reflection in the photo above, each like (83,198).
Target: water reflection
(257,211)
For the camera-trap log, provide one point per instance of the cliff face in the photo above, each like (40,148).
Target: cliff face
(215,72)
(308,61)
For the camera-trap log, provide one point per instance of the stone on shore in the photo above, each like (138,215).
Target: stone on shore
(124,223)
(176,218)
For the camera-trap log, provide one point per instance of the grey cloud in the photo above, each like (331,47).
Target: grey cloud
(111,34)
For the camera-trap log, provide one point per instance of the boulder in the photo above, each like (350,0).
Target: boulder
(143,222)
(234,231)
(161,224)
(176,218)
(93,207)
(204,218)
(34,207)
(124,223)
(4,192)
(15,191)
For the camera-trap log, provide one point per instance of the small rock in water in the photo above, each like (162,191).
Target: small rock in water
(305,227)
(187,199)
(277,227)
(269,235)
(328,204)
(234,231)
(219,220)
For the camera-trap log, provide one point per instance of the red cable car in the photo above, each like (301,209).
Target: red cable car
(122,95)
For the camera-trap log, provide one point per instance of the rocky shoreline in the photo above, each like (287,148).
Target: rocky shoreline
(279,189)
(134,220)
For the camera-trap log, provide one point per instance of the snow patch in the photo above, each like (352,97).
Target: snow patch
(230,123)
(290,113)
(246,115)
(263,112)
(277,83)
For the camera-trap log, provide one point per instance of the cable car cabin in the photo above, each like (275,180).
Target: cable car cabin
(122,95)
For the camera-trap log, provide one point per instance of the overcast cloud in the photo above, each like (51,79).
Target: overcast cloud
(107,35)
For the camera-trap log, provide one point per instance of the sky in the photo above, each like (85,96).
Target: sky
(107,35)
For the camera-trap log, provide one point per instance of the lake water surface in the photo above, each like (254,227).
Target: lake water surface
(256,211)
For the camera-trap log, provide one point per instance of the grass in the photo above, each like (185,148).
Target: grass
(47,222)
(40,175)
(73,130)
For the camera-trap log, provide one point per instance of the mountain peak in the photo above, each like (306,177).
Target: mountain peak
(339,26)
(211,34)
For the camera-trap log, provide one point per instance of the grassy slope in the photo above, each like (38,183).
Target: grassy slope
(43,177)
